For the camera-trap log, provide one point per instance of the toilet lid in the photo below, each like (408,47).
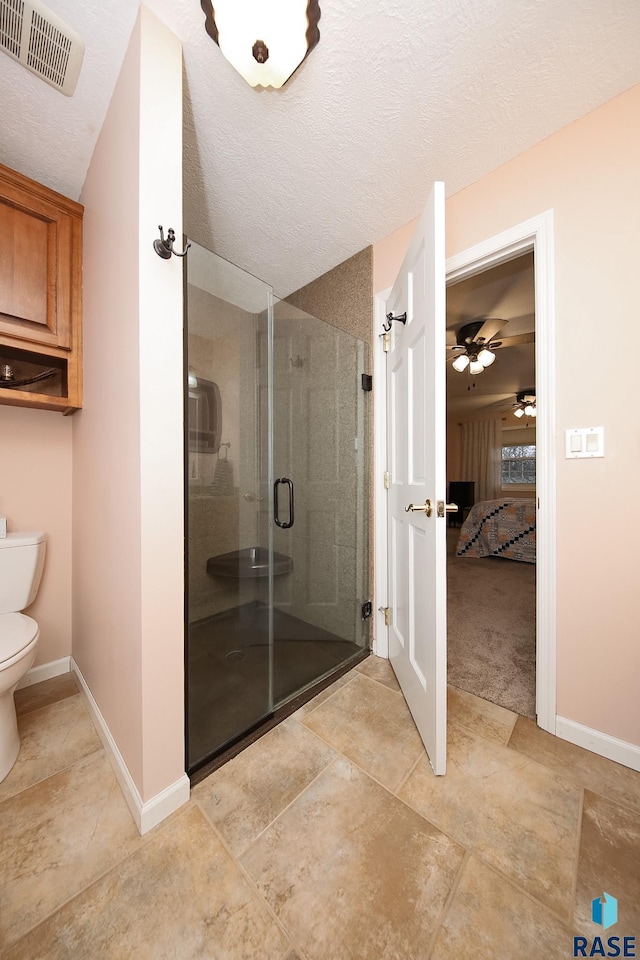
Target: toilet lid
(16,633)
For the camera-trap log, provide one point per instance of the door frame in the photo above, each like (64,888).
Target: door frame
(536,234)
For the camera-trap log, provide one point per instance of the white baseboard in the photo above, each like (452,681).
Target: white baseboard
(45,671)
(146,814)
(628,754)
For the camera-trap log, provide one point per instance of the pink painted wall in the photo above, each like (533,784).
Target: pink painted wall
(35,494)
(127,440)
(161,411)
(588,174)
(106,432)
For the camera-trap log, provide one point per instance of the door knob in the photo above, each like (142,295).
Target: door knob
(426,507)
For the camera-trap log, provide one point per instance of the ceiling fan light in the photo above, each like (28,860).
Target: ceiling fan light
(461,363)
(534,412)
(529,410)
(475,367)
(266,41)
(518,412)
(486,357)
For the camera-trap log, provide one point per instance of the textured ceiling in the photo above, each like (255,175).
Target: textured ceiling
(398,93)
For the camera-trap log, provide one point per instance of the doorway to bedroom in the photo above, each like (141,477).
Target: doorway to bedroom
(491,475)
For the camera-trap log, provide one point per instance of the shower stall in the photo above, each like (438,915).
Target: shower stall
(277,503)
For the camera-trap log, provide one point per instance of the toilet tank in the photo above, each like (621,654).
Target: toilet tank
(21,565)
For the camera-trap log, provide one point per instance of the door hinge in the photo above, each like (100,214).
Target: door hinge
(387,479)
(386,341)
(367,382)
(367,609)
(387,615)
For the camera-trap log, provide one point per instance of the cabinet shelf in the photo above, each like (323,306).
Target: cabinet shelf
(40,293)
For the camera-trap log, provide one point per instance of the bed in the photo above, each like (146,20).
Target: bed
(500,528)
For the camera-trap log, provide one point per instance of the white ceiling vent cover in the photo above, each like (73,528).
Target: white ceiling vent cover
(41,42)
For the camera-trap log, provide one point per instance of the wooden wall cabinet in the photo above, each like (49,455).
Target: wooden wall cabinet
(40,294)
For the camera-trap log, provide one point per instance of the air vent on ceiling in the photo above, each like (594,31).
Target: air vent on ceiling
(41,42)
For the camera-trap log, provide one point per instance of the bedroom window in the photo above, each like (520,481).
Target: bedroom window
(519,464)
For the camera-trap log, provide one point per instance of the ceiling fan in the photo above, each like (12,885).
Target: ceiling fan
(476,341)
(525,405)
(522,405)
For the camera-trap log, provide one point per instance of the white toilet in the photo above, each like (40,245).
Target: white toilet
(21,565)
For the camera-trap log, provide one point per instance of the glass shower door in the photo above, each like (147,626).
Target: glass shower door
(277,503)
(319,451)
(229,655)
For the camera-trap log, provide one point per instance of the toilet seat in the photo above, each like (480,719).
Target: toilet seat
(17,632)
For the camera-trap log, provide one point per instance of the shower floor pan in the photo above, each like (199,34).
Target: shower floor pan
(228,664)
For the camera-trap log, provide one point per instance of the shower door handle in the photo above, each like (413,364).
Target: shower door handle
(276,509)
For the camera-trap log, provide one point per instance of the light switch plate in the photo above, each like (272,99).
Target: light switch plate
(584,443)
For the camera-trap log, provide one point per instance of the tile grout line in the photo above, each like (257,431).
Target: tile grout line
(527,893)
(375,679)
(45,706)
(635,811)
(469,730)
(352,676)
(447,903)
(250,881)
(290,804)
(573,780)
(576,855)
(322,702)
(144,840)
(366,676)
(413,766)
(473,852)
(37,783)
(361,768)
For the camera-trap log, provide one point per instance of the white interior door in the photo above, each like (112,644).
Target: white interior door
(416,431)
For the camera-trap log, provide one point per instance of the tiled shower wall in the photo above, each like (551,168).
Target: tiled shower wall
(320,440)
(343,297)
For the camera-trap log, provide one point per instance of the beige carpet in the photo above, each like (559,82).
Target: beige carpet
(491,628)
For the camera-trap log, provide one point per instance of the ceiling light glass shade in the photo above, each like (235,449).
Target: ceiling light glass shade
(486,357)
(534,412)
(461,363)
(475,367)
(519,412)
(529,410)
(265,40)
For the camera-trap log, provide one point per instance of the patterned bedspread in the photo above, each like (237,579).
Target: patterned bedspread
(500,528)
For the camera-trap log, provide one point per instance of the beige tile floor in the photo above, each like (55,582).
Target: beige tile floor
(328,839)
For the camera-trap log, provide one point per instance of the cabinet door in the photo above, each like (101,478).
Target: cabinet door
(35,269)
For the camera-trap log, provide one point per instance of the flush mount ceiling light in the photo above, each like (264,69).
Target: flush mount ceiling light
(265,40)
(525,404)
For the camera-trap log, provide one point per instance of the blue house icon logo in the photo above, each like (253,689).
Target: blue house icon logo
(604,910)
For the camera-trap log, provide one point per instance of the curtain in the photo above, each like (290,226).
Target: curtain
(482,457)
